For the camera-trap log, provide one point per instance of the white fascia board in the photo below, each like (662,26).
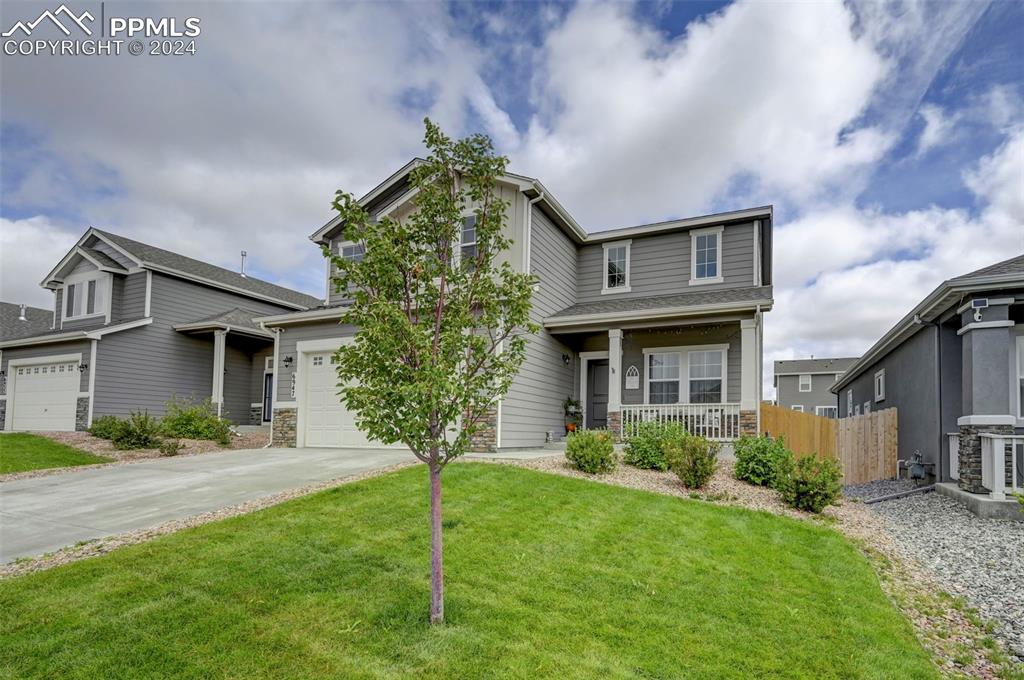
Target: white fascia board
(217,284)
(50,277)
(641,315)
(76,335)
(690,222)
(226,327)
(300,317)
(127,326)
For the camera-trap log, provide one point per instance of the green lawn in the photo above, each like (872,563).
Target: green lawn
(547,576)
(20,452)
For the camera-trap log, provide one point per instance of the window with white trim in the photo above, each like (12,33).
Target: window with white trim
(805,382)
(856,410)
(826,411)
(663,374)
(467,241)
(616,267)
(849,402)
(86,296)
(867,407)
(798,407)
(706,376)
(353,252)
(706,255)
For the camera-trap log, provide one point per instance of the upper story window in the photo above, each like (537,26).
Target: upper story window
(467,242)
(86,296)
(880,385)
(805,383)
(616,267)
(353,252)
(706,255)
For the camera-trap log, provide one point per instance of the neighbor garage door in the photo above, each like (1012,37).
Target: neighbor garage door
(327,421)
(45,396)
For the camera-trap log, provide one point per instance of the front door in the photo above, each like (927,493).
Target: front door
(597,394)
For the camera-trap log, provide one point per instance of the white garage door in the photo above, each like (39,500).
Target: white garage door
(327,421)
(45,396)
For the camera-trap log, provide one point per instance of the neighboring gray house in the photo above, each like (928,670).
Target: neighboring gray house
(953,367)
(132,326)
(660,321)
(19,321)
(805,384)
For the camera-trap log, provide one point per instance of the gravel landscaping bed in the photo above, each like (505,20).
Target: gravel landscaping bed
(103,447)
(877,489)
(954,635)
(981,560)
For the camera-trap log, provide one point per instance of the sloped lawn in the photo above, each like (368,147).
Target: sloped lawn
(547,577)
(20,452)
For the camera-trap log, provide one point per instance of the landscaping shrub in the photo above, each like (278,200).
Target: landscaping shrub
(645,449)
(170,447)
(106,427)
(591,451)
(140,431)
(693,459)
(812,484)
(190,419)
(762,460)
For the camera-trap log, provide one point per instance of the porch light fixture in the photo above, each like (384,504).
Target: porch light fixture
(82,368)
(287,361)
(566,359)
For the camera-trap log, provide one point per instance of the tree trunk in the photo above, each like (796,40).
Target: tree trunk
(436,549)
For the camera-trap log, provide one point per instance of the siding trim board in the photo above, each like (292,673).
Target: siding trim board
(643,315)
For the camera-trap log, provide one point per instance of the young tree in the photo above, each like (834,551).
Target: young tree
(441,325)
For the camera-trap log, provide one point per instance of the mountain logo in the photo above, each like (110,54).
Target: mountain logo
(27,28)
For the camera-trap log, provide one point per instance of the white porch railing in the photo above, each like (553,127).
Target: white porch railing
(993,463)
(718,422)
(954,454)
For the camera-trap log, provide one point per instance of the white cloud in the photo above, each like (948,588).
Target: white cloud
(30,248)
(938,128)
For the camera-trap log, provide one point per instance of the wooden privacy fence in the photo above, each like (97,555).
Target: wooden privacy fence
(805,433)
(865,446)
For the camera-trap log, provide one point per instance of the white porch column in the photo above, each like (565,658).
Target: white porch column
(749,379)
(218,369)
(614,370)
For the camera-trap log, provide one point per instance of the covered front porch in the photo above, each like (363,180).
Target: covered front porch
(704,375)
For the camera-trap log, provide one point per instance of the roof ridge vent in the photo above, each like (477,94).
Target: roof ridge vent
(21,314)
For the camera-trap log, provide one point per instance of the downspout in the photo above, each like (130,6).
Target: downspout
(760,362)
(274,386)
(529,230)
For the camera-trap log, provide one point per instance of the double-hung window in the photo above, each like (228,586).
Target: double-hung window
(616,267)
(353,252)
(706,255)
(805,383)
(467,242)
(686,376)
(86,297)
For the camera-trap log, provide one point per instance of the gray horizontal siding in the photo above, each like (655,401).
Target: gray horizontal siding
(288,343)
(40,352)
(533,405)
(660,265)
(788,392)
(142,368)
(133,298)
(238,393)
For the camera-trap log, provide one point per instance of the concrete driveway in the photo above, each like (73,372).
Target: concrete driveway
(43,514)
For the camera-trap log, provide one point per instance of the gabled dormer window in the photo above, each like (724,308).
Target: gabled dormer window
(86,295)
(616,267)
(706,255)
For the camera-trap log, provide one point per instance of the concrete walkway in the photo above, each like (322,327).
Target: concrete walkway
(42,514)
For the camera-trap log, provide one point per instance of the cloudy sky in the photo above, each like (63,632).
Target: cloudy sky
(889,137)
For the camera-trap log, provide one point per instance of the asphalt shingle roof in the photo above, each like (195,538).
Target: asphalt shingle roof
(1015,265)
(692,299)
(188,265)
(237,317)
(814,365)
(37,321)
(102,258)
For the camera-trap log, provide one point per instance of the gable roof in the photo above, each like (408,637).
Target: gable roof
(168,262)
(37,321)
(999,276)
(827,365)
(237,319)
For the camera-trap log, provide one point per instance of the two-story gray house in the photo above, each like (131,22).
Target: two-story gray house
(953,367)
(132,326)
(805,384)
(659,321)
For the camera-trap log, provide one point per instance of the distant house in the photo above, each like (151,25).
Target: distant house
(805,384)
(953,367)
(132,326)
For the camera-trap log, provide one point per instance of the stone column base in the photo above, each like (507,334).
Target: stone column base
(485,438)
(82,414)
(3,414)
(748,423)
(615,424)
(283,427)
(970,455)
(256,415)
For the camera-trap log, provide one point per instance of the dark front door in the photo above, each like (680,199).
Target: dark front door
(268,392)
(597,393)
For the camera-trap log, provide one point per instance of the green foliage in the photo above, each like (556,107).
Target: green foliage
(106,427)
(140,431)
(693,459)
(170,447)
(591,451)
(812,484)
(645,448)
(762,461)
(436,338)
(190,419)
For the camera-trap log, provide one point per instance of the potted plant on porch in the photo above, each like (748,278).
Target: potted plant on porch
(573,414)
